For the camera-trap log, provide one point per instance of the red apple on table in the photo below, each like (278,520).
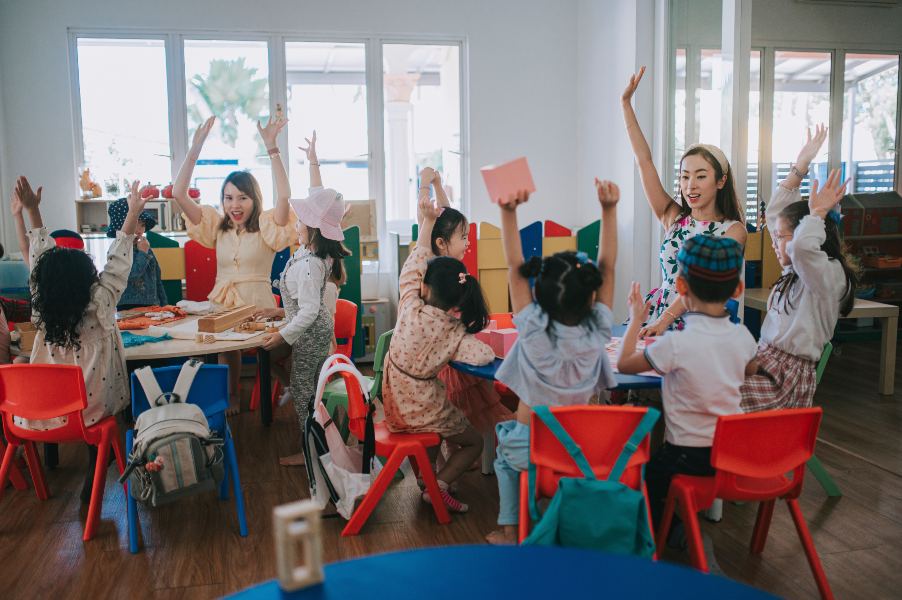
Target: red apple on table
(193,193)
(150,192)
(167,192)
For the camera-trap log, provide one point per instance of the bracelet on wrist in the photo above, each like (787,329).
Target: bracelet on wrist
(672,316)
(273,151)
(795,169)
(314,164)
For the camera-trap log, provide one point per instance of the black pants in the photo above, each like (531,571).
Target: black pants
(668,461)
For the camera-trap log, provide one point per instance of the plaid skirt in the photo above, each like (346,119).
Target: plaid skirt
(783,381)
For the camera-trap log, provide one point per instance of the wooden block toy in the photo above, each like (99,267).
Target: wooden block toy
(502,340)
(553,229)
(552,245)
(770,266)
(487,231)
(505,180)
(27,332)
(471,256)
(753,245)
(531,240)
(172,262)
(225,320)
(494,288)
(587,239)
(297,526)
(491,255)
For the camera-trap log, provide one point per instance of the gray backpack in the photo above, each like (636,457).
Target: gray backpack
(174,453)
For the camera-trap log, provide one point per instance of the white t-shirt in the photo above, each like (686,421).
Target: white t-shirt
(703,367)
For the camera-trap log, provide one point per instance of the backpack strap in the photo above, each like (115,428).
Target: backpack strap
(185,379)
(573,449)
(149,384)
(645,425)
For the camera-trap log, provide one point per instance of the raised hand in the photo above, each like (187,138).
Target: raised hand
(514,200)
(26,196)
(15,205)
(633,85)
(310,150)
(813,145)
(427,175)
(608,193)
(200,136)
(428,208)
(136,201)
(638,306)
(271,132)
(823,199)
(142,244)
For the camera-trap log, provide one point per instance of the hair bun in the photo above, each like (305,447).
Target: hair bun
(532,267)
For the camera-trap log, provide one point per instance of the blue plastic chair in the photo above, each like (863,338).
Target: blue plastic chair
(733,310)
(210,391)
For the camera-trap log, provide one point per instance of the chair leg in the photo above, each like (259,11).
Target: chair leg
(131,504)
(762,526)
(5,466)
(693,531)
(523,524)
(814,561)
(15,475)
(369,502)
(37,473)
(435,495)
(823,477)
(232,467)
(119,454)
(224,485)
(100,468)
(666,519)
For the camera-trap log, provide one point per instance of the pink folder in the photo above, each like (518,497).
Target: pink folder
(505,180)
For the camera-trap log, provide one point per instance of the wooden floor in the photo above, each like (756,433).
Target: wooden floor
(192,550)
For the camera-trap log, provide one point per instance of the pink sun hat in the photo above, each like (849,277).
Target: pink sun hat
(322,209)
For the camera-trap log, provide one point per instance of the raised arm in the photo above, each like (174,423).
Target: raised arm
(788,190)
(183,179)
(608,197)
(441,198)
(23,189)
(661,203)
(630,361)
(426,177)
(316,179)
(270,135)
(521,294)
(809,261)
(30,203)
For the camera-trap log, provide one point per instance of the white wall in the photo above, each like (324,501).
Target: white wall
(522,74)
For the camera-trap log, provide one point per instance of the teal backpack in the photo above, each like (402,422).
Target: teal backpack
(587,512)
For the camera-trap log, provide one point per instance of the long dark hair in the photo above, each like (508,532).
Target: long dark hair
(727,202)
(443,276)
(834,248)
(445,225)
(248,185)
(323,247)
(564,285)
(61,291)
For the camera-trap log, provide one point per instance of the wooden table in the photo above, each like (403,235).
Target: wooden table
(888,315)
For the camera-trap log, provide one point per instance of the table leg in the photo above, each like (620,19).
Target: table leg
(265,386)
(890,327)
(488,452)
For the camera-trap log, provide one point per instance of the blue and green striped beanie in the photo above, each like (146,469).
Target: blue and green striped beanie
(711,258)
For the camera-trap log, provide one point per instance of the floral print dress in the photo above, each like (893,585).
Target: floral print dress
(682,229)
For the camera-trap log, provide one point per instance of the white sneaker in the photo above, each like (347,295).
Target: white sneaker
(284,398)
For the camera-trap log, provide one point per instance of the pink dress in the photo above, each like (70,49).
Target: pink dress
(424,341)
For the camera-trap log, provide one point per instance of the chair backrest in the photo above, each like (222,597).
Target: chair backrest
(732,307)
(345,325)
(601,433)
(43,392)
(357,409)
(765,446)
(210,391)
(200,271)
(379,362)
(822,362)
(66,238)
(503,320)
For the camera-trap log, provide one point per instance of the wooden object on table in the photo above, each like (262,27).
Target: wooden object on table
(888,315)
(26,332)
(225,320)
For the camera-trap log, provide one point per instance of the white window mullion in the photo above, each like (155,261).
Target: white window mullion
(278,95)
(376,141)
(179,137)
(766,181)
(837,100)
(75,90)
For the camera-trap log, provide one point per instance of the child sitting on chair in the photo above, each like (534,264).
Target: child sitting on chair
(703,365)
(145,284)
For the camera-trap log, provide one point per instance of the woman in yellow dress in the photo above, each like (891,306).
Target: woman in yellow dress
(245,237)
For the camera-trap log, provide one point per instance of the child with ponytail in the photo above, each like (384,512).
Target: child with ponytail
(439,310)
(817,285)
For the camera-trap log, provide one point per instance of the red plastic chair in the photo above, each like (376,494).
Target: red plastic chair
(601,432)
(395,447)
(47,392)
(345,326)
(503,320)
(752,453)
(15,476)
(200,271)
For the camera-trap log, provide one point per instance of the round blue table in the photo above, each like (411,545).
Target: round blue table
(515,572)
(624,382)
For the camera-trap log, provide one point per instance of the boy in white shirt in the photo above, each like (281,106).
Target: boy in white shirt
(703,365)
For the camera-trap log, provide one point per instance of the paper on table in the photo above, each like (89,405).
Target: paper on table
(505,180)
(613,348)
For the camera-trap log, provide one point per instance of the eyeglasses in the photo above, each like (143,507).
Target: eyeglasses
(780,238)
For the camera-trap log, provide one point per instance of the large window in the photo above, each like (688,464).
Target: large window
(327,93)
(228,80)
(869,120)
(752,191)
(421,122)
(124,116)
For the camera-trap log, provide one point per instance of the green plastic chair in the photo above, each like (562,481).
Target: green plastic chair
(336,394)
(814,464)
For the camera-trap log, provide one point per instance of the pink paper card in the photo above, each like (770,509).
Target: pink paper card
(502,340)
(505,180)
